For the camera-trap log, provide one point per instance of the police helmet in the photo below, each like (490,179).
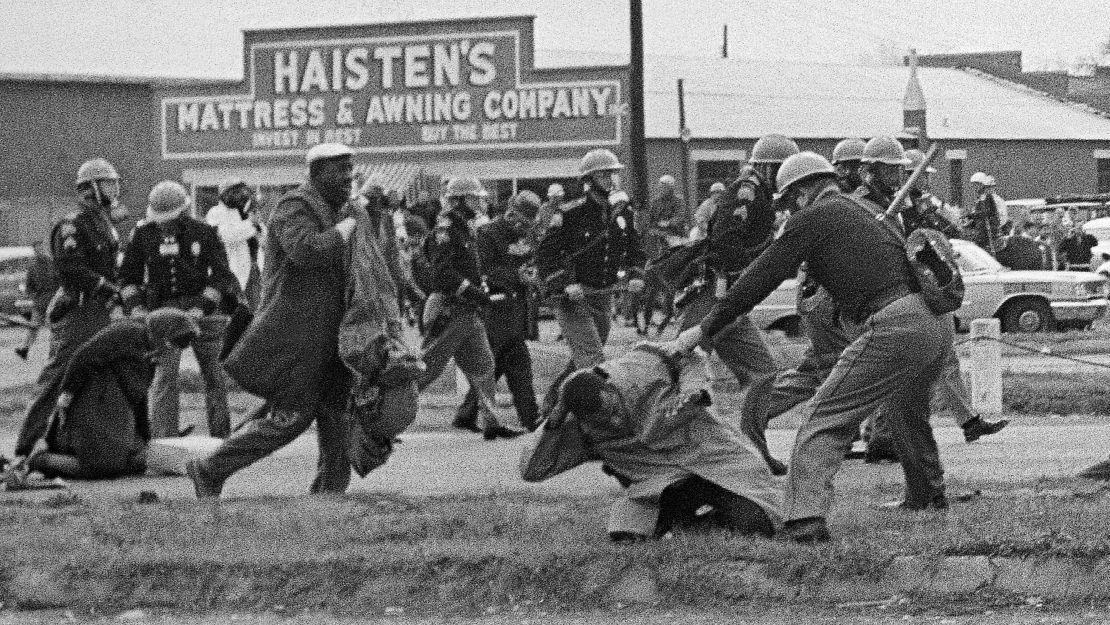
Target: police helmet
(848,150)
(96,169)
(802,166)
(884,150)
(598,160)
(773,149)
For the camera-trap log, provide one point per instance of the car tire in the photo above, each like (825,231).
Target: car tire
(1028,315)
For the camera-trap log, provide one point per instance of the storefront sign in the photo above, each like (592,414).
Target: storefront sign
(441,91)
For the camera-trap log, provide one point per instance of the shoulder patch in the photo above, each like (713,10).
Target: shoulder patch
(556,220)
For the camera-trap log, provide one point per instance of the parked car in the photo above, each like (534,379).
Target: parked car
(1024,301)
(14,301)
(1100,229)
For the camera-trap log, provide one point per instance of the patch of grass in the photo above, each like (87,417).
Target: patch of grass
(1056,393)
(461,554)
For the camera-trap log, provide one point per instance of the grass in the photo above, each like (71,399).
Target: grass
(463,554)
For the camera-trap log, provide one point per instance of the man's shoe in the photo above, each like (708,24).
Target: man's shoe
(808,531)
(938,502)
(1100,471)
(978,428)
(204,487)
(466,424)
(22,352)
(497,430)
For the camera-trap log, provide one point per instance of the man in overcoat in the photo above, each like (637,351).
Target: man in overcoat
(289,355)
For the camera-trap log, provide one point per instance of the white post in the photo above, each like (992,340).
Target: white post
(462,385)
(985,370)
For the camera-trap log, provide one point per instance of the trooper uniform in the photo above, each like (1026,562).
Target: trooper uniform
(176,261)
(570,244)
(741,225)
(504,250)
(453,322)
(84,245)
(894,361)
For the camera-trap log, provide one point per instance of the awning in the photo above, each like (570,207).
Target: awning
(404,177)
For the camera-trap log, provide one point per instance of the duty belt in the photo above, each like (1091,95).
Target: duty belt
(880,301)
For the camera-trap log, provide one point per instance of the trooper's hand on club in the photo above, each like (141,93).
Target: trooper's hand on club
(575,292)
(687,340)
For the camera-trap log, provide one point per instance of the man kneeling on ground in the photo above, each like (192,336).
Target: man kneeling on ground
(100,427)
(647,416)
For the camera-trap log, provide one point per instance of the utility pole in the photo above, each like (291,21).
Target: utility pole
(724,43)
(638,155)
(685,135)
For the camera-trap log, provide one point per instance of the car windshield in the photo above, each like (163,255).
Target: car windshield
(973,258)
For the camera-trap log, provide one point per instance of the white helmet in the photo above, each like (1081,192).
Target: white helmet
(717,187)
(982,178)
(555,190)
(801,166)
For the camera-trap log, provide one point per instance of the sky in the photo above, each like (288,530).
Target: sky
(203,38)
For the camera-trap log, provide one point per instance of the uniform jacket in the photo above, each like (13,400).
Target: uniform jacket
(452,253)
(574,226)
(85,246)
(666,216)
(242,240)
(734,239)
(662,437)
(42,281)
(180,263)
(503,251)
(1076,250)
(290,352)
(1023,253)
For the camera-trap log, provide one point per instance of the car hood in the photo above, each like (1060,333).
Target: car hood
(1042,276)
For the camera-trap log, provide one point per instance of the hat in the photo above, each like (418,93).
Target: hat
(667,179)
(327,151)
(582,392)
(167,201)
(555,189)
(980,177)
(230,184)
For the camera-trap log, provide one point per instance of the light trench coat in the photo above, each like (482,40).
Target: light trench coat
(665,436)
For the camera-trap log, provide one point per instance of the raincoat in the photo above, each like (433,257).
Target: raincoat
(667,433)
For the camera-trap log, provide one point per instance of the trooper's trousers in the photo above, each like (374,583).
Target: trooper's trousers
(893,363)
(512,360)
(462,336)
(743,349)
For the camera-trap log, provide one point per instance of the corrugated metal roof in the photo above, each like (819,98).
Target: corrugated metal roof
(746,98)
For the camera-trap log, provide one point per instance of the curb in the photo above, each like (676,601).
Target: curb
(497,584)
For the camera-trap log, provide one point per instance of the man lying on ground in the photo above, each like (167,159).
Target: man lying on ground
(100,427)
(647,416)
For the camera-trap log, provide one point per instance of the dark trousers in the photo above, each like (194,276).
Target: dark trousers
(268,430)
(681,502)
(66,336)
(512,360)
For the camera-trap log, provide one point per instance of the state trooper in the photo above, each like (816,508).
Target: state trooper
(179,262)
(84,245)
(590,245)
(847,159)
(452,315)
(923,209)
(738,230)
(894,361)
(505,249)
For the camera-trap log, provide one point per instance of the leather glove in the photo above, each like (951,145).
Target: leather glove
(575,292)
(635,285)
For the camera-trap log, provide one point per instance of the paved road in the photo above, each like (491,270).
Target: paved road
(438,463)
